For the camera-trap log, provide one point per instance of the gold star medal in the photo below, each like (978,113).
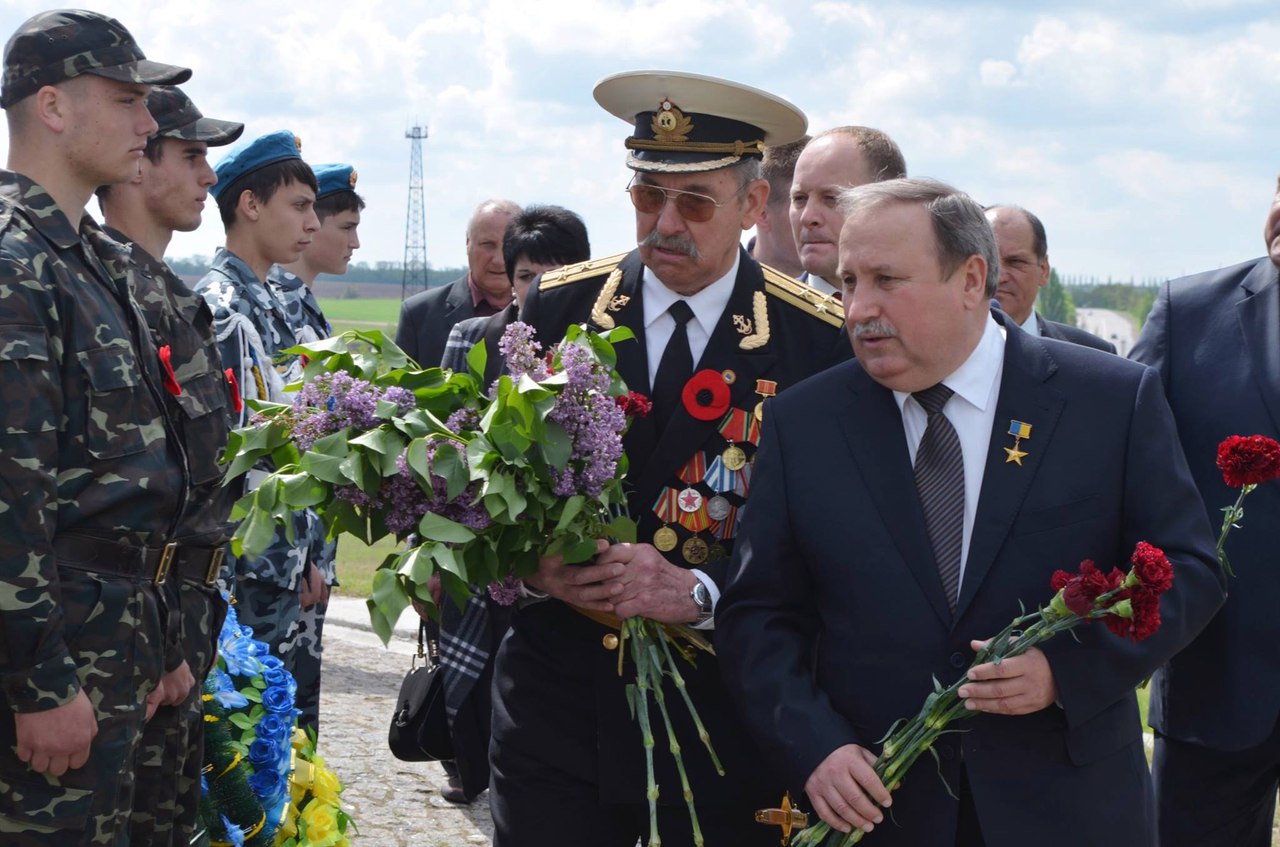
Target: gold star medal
(1019,431)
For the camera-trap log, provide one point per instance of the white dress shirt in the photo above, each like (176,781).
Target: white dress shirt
(972,412)
(1031,325)
(707,305)
(818,283)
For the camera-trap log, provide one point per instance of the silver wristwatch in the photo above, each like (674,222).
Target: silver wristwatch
(702,597)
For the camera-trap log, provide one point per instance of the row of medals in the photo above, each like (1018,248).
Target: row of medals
(695,550)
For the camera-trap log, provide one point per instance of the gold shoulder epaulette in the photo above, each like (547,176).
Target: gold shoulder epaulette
(580,271)
(805,298)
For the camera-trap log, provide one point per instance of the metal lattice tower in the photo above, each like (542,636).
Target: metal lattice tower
(415,226)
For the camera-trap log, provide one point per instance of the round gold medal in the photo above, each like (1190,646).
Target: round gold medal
(759,411)
(665,539)
(733,457)
(695,551)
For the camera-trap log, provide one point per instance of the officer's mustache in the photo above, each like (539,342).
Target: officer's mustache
(874,327)
(674,243)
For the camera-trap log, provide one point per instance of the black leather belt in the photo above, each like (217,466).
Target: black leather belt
(197,564)
(81,552)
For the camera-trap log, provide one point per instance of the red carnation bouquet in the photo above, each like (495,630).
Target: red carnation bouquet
(1128,604)
(1245,462)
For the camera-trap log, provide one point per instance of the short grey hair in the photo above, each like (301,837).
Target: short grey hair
(507,207)
(960,226)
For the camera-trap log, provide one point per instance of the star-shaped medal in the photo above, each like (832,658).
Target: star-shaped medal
(1015,455)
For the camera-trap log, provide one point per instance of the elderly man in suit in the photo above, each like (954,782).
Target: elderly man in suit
(715,334)
(1215,340)
(899,530)
(1024,270)
(427,317)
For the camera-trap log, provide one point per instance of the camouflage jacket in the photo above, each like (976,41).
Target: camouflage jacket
(309,324)
(85,443)
(252,328)
(181,320)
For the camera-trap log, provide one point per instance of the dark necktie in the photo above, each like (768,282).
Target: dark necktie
(939,473)
(675,368)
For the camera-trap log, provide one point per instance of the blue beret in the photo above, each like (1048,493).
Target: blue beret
(334,178)
(244,159)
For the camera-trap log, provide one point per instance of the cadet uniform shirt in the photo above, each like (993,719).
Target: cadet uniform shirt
(84,444)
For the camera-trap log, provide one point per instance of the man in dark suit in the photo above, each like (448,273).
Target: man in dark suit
(1024,270)
(1215,340)
(427,317)
(860,586)
(715,335)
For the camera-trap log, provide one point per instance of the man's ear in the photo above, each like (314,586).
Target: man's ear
(974,282)
(249,206)
(756,195)
(52,107)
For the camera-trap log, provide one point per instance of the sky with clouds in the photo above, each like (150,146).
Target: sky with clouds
(1144,134)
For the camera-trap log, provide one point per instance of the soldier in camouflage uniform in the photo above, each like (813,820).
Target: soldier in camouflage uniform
(92,469)
(338,208)
(144,213)
(265,195)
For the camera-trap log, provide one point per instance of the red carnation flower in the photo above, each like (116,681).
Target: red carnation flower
(1080,591)
(1078,597)
(706,395)
(1145,619)
(634,404)
(1248,460)
(1152,567)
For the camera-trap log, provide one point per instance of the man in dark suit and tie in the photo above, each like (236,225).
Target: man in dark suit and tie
(899,524)
(1024,270)
(715,335)
(427,317)
(1215,340)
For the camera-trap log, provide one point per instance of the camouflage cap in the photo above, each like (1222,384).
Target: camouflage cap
(178,117)
(56,46)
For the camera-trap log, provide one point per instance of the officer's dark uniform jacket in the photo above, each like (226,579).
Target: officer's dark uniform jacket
(773,333)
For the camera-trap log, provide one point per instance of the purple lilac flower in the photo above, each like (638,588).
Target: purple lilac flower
(335,401)
(506,592)
(521,352)
(593,421)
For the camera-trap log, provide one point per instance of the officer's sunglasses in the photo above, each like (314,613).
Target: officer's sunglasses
(692,206)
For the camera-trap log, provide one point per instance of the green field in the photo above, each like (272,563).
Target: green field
(362,313)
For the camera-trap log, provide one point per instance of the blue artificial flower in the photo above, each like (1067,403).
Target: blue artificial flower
(271,663)
(264,754)
(269,785)
(275,726)
(224,690)
(238,655)
(234,833)
(260,648)
(278,699)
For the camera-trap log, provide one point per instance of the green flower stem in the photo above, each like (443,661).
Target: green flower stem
(1232,515)
(642,716)
(678,679)
(659,695)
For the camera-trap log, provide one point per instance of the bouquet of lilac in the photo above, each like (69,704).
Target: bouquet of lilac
(484,479)
(483,482)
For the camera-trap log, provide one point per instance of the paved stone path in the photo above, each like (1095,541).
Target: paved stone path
(394,803)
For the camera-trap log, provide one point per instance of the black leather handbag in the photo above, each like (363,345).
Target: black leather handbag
(420,727)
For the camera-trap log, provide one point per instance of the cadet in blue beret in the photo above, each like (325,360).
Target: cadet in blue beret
(266,196)
(338,207)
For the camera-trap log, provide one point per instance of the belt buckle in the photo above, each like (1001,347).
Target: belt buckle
(166,561)
(215,565)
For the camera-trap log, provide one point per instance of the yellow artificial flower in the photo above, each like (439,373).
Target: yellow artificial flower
(325,784)
(320,825)
(289,828)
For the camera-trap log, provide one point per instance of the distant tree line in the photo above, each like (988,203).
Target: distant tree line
(388,273)
(1060,298)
